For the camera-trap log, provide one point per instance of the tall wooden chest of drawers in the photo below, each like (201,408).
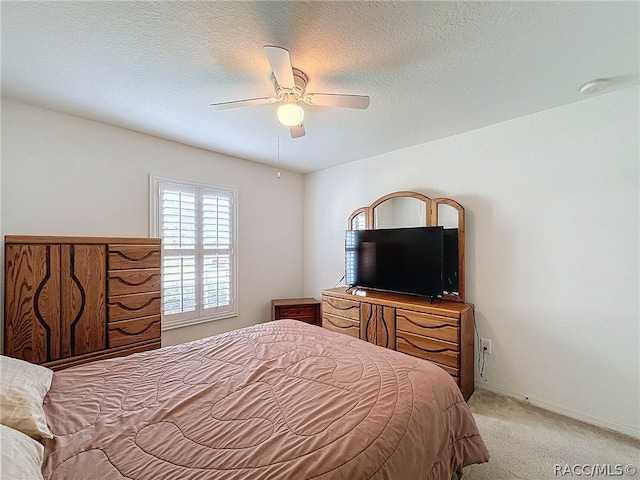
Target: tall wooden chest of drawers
(70,300)
(441,332)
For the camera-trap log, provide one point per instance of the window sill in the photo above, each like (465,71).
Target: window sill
(167,325)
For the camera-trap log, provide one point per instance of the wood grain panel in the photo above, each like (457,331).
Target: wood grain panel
(386,334)
(138,330)
(32,302)
(368,323)
(125,257)
(378,325)
(125,282)
(84,299)
(133,306)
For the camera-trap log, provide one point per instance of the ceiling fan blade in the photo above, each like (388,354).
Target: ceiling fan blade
(337,100)
(244,103)
(280,62)
(297,131)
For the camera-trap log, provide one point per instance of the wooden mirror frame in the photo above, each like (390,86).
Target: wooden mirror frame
(431,210)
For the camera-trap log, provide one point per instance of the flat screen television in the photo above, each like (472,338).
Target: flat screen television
(406,260)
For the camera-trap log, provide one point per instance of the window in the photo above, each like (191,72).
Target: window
(197,224)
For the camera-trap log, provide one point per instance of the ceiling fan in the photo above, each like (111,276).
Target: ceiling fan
(290,85)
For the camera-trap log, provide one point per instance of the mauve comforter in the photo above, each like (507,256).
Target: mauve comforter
(279,400)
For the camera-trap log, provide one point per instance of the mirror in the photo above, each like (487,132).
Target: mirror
(358,221)
(411,209)
(447,216)
(400,212)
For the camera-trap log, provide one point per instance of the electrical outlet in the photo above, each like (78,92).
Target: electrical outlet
(485,345)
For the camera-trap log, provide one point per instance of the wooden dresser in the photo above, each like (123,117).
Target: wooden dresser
(441,332)
(71,300)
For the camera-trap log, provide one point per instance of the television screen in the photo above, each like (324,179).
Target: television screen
(407,260)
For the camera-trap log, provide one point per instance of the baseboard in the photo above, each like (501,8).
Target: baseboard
(598,422)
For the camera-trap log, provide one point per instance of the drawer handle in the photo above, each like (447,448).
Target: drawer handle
(444,325)
(339,326)
(136,284)
(133,259)
(132,309)
(438,350)
(341,307)
(124,332)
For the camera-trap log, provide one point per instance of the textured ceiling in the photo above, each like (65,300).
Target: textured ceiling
(432,69)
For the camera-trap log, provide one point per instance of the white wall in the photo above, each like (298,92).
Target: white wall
(552,203)
(2,243)
(64,175)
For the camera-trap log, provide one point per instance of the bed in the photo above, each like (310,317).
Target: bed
(279,400)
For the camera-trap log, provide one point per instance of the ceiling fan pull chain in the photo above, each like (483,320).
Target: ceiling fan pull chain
(278,134)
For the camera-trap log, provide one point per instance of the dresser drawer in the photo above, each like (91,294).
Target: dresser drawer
(438,351)
(138,330)
(341,325)
(442,328)
(133,306)
(306,314)
(340,307)
(125,282)
(296,312)
(126,257)
(450,370)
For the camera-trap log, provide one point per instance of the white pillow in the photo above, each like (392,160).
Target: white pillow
(20,455)
(23,386)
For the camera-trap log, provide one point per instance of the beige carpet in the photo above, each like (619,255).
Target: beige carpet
(526,442)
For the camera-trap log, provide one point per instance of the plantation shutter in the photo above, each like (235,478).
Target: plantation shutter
(216,243)
(178,230)
(196,226)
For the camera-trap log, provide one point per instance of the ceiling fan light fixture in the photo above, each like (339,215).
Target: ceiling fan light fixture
(290,86)
(290,114)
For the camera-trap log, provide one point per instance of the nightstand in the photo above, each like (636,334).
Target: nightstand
(303,309)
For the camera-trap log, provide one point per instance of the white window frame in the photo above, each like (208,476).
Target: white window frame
(200,315)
